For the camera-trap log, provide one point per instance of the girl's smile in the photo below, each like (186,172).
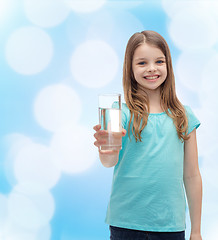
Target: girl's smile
(152,78)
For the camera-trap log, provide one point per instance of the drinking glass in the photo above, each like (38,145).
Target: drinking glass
(110,119)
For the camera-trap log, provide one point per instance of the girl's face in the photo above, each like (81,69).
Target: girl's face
(149,67)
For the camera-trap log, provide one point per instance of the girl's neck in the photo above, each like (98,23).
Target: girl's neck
(154,97)
(154,100)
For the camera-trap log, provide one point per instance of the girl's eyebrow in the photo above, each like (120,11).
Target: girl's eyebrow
(142,58)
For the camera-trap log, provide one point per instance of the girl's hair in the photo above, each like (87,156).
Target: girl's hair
(138,103)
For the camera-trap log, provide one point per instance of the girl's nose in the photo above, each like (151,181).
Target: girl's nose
(151,68)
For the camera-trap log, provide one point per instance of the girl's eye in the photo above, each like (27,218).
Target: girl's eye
(141,63)
(160,61)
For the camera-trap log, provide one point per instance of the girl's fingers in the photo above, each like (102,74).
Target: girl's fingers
(97,127)
(96,143)
(101,134)
(99,143)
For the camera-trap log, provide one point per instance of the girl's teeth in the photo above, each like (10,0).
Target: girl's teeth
(151,77)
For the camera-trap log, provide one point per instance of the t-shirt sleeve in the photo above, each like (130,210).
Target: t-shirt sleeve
(193,121)
(125,116)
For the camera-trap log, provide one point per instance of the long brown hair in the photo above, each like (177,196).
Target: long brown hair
(138,104)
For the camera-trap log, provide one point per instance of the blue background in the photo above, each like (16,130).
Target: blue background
(80,197)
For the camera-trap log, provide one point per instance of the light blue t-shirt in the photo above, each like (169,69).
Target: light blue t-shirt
(147,189)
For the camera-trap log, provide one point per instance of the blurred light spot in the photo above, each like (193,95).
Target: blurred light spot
(209,168)
(85,6)
(4,8)
(30,211)
(207,140)
(212,233)
(196,30)
(94,64)
(14,143)
(114,22)
(211,7)
(3,209)
(44,233)
(30,188)
(47,13)
(208,93)
(73,149)
(210,193)
(34,164)
(127,4)
(184,96)
(29,50)
(13,231)
(190,65)
(56,106)
(97,29)
(18,236)
(172,7)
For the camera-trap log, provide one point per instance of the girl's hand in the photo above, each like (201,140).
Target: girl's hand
(108,158)
(195,236)
(101,139)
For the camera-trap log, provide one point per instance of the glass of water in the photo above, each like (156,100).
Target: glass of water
(110,119)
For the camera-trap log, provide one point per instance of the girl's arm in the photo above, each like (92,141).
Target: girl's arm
(193,184)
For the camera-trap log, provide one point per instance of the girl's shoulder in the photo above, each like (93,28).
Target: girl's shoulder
(188,110)
(125,109)
(124,106)
(193,121)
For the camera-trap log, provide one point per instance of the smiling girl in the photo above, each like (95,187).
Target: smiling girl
(158,162)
